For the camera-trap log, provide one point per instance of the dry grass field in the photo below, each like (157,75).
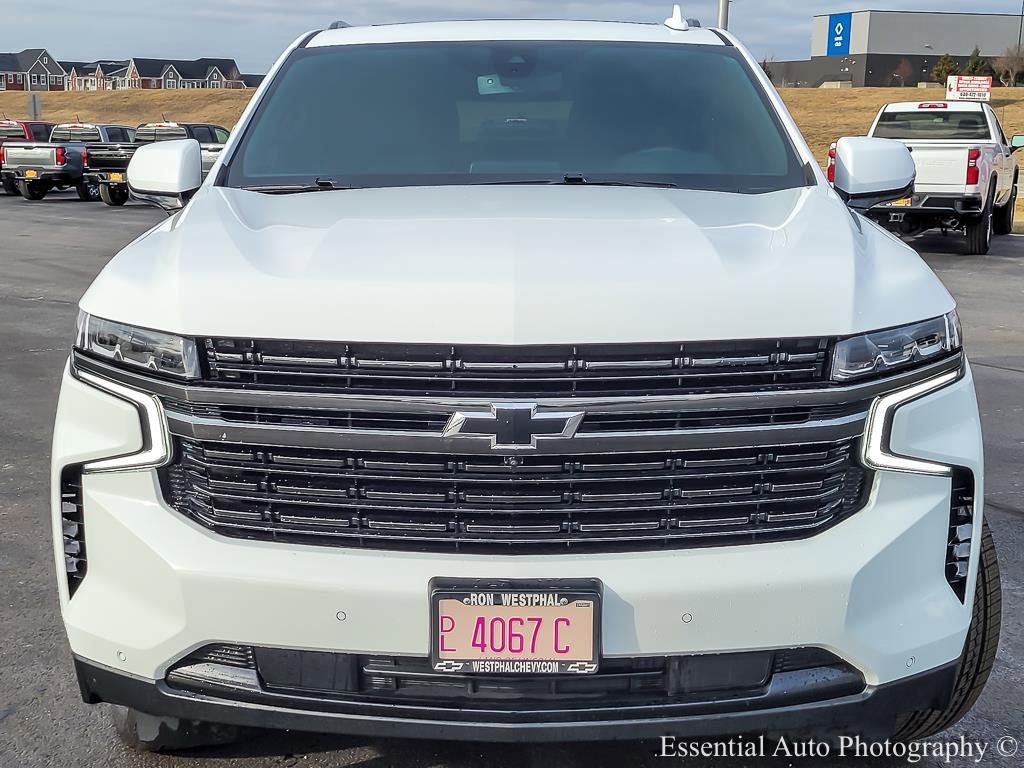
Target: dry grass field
(823,115)
(221,107)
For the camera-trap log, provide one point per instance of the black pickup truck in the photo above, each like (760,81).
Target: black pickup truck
(107,168)
(108,165)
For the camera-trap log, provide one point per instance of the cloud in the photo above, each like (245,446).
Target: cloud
(255,31)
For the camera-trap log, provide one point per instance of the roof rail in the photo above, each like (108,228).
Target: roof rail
(339,25)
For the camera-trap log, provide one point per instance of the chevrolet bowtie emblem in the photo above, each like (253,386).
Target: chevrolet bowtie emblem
(514,426)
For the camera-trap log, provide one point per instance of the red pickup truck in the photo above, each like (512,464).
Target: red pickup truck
(20,130)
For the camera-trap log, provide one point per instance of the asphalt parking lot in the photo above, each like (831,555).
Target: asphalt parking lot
(49,253)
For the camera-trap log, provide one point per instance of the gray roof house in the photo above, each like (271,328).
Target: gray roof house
(183,73)
(32,69)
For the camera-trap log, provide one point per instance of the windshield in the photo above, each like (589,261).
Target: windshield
(146,134)
(933,124)
(62,133)
(517,112)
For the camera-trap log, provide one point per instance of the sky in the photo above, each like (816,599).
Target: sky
(254,32)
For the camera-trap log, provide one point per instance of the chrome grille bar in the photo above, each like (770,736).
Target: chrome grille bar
(378,500)
(532,371)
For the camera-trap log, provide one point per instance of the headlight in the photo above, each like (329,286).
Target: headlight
(896,349)
(137,347)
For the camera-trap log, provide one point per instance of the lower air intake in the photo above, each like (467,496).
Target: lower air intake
(961,532)
(73,527)
(395,681)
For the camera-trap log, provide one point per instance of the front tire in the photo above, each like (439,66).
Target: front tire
(151,733)
(88,192)
(1003,223)
(978,657)
(111,195)
(32,190)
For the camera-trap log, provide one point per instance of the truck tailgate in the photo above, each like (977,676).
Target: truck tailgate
(29,156)
(109,157)
(940,167)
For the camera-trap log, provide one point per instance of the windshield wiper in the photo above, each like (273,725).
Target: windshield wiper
(579,178)
(573,179)
(318,185)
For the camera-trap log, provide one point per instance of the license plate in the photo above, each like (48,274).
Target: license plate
(31,174)
(515,627)
(906,202)
(117,177)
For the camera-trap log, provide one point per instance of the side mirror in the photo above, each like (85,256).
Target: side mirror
(1017,142)
(871,171)
(167,173)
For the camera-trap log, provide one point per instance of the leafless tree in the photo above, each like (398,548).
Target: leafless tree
(1009,65)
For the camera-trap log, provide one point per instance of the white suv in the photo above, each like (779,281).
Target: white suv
(521,381)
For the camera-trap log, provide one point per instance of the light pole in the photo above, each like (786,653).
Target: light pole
(723,13)
(1020,31)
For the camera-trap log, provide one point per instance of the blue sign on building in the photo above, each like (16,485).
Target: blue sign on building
(839,29)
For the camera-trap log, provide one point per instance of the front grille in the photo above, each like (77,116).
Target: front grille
(433,422)
(515,504)
(614,370)
(334,418)
(73,527)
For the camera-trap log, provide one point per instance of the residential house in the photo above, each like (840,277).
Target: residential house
(172,74)
(33,69)
(36,70)
(77,74)
(104,75)
(115,75)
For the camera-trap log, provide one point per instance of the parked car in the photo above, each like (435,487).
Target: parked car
(16,131)
(109,164)
(513,403)
(966,170)
(38,167)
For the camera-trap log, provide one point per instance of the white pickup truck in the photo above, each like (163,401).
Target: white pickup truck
(966,170)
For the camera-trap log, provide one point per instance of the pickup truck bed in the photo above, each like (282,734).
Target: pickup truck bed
(36,168)
(19,132)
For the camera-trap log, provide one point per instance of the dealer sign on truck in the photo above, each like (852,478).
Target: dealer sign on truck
(967,88)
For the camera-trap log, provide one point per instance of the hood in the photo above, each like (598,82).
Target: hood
(516,265)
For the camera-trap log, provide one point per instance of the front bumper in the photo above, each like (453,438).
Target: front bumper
(46,177)
(938,205)
(872,590)
(871,713)
(105,177)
